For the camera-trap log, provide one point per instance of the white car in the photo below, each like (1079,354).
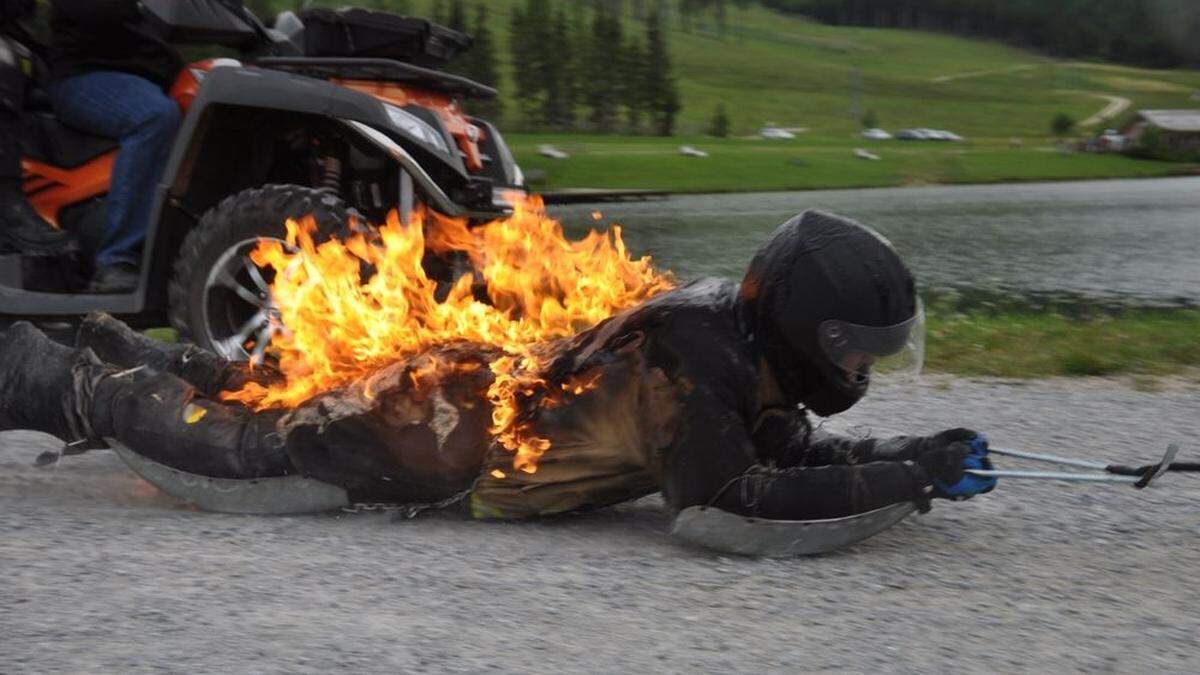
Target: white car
(876,135)
(547,150)
(777,133)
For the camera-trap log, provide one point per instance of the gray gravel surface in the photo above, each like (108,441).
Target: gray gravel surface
(100,573)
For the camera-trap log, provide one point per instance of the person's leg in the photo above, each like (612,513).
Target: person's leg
(118,344)
(22,230)
(137,113)
(69,393)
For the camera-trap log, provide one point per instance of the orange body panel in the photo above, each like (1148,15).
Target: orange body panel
(465,133)
(50,189)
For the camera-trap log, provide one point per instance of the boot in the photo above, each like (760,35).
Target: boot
(47,387)
(118,344)
(114,279)
(23,231)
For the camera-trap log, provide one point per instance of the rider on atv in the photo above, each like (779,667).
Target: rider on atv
(322,113)
(109,76)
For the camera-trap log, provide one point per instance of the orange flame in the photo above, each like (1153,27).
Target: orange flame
(540,287)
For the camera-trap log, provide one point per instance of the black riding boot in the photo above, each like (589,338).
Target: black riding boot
(118,344)
(23,231)
(45,386)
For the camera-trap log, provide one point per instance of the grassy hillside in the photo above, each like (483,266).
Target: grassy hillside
(781,69)
(796,73)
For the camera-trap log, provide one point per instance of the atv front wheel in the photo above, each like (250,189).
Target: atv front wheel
(219,298)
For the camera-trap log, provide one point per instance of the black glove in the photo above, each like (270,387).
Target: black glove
(946,456)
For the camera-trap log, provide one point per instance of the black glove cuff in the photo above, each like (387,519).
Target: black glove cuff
(923,492)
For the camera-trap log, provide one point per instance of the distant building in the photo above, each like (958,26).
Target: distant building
(1178,130)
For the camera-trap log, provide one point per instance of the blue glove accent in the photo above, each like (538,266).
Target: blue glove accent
(971,485)
(979,447)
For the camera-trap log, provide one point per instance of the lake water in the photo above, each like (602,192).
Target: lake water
(1118,242)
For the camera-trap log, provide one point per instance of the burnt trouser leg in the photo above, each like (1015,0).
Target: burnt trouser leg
(160,417)
(70,394)
(116,343)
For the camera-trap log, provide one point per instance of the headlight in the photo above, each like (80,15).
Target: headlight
(416,127)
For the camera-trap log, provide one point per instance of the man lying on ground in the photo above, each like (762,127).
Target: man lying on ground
(702,392)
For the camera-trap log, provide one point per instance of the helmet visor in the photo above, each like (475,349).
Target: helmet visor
(888,352)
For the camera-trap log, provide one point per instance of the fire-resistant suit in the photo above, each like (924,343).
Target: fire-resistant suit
(698,393)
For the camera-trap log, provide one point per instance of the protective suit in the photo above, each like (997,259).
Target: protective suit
(699,393)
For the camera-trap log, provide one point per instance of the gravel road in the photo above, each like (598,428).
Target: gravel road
(100,573)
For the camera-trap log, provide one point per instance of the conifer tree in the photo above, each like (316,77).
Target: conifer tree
(481,64)
(660,89)
(633,83)
(437,13)
(720,123)
(457,18)
(603,85)
(564,71)
(521,46)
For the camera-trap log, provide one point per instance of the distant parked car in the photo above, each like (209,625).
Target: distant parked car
(876,135)
(777,133)
(547,150)
(1109,141)
(912,135)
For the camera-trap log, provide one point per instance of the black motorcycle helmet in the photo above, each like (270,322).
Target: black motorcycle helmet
(828,301)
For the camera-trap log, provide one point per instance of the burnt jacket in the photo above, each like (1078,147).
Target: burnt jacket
(683,404)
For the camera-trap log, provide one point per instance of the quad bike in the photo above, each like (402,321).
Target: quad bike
(324,113)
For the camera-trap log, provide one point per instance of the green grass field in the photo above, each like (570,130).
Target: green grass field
(1027,344)
(809,162)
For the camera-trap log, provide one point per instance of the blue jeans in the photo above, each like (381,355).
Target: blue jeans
(137,113)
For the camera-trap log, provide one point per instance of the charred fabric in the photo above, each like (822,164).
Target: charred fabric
(703,392)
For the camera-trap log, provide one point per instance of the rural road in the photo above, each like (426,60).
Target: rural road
(982,73)
(1116,106)
(99,573)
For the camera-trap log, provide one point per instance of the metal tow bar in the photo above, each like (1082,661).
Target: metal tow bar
(1113,473)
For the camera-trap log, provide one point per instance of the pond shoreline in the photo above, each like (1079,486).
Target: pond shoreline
(572,195)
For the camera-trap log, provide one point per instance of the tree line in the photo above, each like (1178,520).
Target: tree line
(574,65)
(578,66)
(1155,33)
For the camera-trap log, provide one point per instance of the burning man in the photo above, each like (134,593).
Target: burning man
(703,392)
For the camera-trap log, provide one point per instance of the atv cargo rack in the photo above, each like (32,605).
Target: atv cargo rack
(389,70)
